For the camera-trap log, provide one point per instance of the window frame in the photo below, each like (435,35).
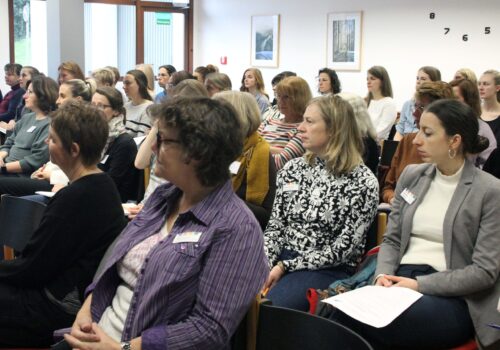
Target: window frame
(140,7)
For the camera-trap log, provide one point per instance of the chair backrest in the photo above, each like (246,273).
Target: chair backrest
(19,218)
(388,150)
(281,328)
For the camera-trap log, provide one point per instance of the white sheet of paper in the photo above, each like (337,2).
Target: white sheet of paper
(376,306)
(3,130)
(45,193)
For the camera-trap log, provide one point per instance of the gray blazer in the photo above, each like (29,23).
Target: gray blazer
(471,236)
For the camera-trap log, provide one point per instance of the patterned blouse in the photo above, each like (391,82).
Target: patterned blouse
(320,217)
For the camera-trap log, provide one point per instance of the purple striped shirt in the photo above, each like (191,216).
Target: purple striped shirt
(191,294)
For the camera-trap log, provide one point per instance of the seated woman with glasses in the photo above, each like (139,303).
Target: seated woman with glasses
(120,149)
(185,270)
(442,241)
(42,289)
(293,94)
(324,205)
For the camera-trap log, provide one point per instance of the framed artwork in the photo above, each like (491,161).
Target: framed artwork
(344,40)
(265,41)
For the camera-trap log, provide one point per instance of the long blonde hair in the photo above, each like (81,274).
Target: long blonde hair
(345,147)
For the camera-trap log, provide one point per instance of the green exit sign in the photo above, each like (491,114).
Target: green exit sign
(163,18)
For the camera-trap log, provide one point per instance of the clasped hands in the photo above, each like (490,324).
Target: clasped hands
(396,281)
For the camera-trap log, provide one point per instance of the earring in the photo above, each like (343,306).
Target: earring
(452,153)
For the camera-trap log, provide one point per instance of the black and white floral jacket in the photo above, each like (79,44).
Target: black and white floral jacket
(321,217)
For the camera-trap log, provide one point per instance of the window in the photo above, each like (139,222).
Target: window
(110,36)
(30,33)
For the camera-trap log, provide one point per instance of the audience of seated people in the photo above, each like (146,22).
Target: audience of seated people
(325,199)
(381,106)
(406,123)
(442,241)
(42,289)
(253,173)
(325,203)
(293,94)
(25,150)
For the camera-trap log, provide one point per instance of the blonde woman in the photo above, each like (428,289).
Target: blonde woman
(253,174)
(324,205)
(489,91)
(466,73)
(253,83)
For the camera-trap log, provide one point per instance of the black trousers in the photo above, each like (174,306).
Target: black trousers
(28,318)
(22,186)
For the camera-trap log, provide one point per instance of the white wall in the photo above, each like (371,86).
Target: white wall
(396,34)
(4,43)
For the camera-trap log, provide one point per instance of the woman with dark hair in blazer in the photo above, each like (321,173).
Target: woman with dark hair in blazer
(442,240)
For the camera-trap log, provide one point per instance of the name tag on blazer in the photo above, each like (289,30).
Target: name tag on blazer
(408,196)
(187,237)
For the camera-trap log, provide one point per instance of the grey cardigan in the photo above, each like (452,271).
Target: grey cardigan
(471,236)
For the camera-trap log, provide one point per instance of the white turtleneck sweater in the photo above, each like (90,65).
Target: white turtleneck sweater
(426,240)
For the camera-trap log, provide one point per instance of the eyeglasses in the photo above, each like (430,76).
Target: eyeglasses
(419,106)
(101,107)
(160,141)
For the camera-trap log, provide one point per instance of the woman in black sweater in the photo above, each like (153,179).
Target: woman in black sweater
(42,289)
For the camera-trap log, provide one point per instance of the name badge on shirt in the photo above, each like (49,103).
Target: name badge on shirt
(234,167)
(104,159)
(290,187)
(408,196)
(271,128)
(185,237)
(31,129)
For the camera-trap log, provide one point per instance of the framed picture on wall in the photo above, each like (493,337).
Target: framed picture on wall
(344,40)
(265,41)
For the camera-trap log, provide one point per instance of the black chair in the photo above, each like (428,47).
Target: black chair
(287,329)
(19,218)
